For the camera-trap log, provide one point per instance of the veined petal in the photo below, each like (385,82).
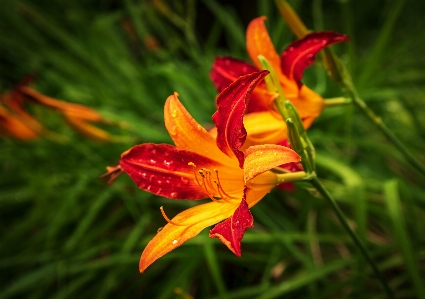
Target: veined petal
(261,158)
(164,170)
(188,134)
(301,53)
(258,42)
(192,221)
(228,118)
(231,231)
(225,70)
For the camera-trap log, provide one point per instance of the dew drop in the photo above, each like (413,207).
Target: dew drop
(184,180)
(159,229)
(159,182)
(173,194)
(251,174)
(152,161)
(174,113)
(173,130)
(169,165)
(175,242)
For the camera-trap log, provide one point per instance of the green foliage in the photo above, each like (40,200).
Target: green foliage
(65,233)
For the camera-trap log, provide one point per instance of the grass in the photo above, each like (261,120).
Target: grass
(65,233)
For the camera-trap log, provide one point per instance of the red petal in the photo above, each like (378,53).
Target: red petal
(301,53)
(231,231)
(163,169)
(228,118)
(225,70)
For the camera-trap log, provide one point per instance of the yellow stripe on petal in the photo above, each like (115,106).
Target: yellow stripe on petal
(188,134)
(261,158)
(191,222)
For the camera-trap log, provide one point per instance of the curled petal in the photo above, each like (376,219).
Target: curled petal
(301,53)
(228,118)
(231,231)
(164,170)
(225,70)
(188,134)
(192,221)
(260,158)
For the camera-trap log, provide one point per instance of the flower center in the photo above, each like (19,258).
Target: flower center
(212,187)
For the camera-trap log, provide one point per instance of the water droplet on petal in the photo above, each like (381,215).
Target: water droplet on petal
(184,180)
(173,195)
(175,242)
(152,161)
(251,174)
(169,165)
(159,229)
(174,113)
(173,130)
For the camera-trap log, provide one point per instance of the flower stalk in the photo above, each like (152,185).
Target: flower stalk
(341,217)
(340,74)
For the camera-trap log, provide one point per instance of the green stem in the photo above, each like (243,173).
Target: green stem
(337,101)
(325,193)
(377,121)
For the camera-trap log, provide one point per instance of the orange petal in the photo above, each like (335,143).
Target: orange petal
(264,128)
(309,105)
(188,134)
(71,109)
(258,42)
(172,236)
(87,129)
(261,158)
(15,127)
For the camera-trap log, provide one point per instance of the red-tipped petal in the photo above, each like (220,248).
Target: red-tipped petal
(163,170)
(260,158)
(228,118)
(231,231)
(301,53)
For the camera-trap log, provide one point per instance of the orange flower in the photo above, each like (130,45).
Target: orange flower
(263,122)
(203,166)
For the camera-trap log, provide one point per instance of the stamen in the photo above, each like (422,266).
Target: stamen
(194,172)
(168,219)
(223,197)
(220,188)
(205,187)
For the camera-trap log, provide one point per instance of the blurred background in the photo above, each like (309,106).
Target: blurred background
(65,233)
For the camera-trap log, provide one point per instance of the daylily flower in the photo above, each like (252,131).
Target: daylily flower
(201,166)
(263,122)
